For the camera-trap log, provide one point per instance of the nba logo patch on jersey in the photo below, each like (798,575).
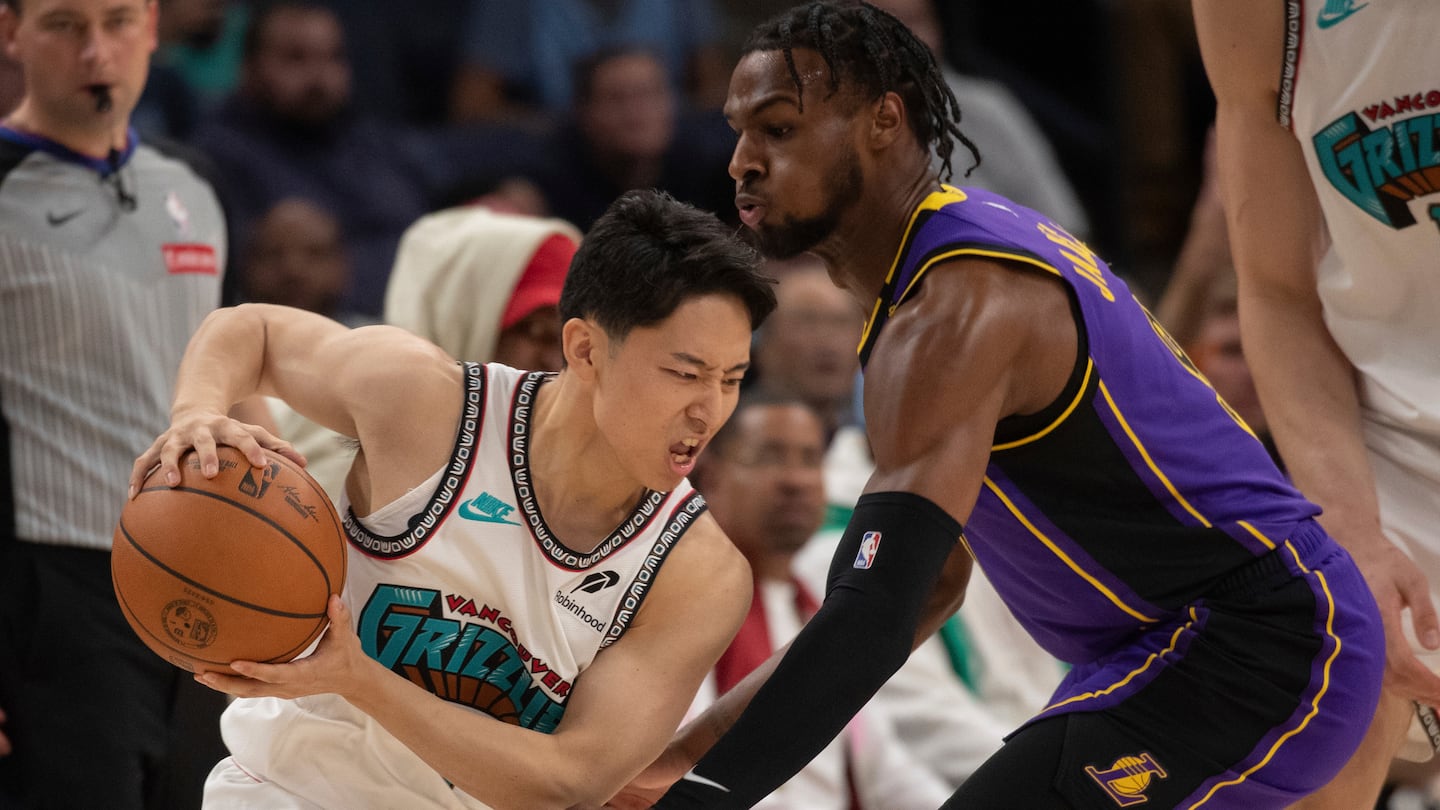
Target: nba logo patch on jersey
(869,544)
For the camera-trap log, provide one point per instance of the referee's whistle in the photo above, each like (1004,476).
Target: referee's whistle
(103,104)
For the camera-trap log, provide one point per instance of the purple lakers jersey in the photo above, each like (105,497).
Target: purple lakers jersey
(1138,488)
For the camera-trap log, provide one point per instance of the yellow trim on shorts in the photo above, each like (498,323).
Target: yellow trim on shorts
(1174,640)
(1314,702)
(1050,544)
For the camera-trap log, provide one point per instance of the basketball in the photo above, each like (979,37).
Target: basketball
(239,566)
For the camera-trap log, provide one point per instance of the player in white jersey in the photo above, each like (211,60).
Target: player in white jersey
(508,532)
(1329,148)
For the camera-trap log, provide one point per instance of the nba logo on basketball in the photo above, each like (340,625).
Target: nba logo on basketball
(869,544)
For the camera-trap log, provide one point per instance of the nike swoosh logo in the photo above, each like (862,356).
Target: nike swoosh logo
(471,513)
(691,776)
(1329,18)
(56,220)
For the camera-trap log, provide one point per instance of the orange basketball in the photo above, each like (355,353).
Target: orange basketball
(239,566)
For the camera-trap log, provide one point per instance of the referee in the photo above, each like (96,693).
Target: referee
(110,256)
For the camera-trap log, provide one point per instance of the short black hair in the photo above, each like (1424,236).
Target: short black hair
(872,50)
(648,254)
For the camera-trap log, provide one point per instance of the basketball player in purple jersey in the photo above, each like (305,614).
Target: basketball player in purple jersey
(1028,414)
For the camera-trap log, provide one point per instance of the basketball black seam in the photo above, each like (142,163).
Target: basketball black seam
(261,516)
(164,641)
(285,614)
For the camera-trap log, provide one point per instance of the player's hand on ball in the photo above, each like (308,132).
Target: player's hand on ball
(335,667)
(204,430)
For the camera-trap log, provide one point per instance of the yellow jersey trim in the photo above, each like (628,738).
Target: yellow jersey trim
(934,202)
(1270,544)
(1065,558)
(1079,395)
(1150,462)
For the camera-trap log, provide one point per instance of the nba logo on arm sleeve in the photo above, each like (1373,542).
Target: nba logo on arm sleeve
(869,544)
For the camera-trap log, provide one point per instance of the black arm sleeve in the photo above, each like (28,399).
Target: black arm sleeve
(885,567)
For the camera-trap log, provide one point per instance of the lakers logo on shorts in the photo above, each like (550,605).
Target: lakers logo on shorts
(1127,780)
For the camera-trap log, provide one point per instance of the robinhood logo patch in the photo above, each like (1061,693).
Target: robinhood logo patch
(597,582)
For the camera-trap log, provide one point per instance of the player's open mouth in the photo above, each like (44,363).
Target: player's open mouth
(682,453)
(751,209)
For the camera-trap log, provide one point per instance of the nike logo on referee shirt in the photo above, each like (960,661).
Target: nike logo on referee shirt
(691,776)
(56,220)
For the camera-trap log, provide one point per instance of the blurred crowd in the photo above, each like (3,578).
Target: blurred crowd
(373,115)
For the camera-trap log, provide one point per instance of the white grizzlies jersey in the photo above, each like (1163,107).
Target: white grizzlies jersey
(461,588)
(1361,91)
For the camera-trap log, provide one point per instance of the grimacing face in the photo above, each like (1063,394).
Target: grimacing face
(797,173)
(663,391)
(73,50)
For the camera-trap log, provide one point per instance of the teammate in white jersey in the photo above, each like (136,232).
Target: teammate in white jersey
(507,532)
(1328,133)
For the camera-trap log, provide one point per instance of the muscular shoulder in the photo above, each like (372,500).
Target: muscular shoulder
(389,366)
(982,340)
(705,580)
(980,323)
(407,399)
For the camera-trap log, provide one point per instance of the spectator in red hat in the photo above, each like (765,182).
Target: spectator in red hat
(480,284)
(484,285)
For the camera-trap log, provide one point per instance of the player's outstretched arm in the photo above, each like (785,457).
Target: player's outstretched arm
(1306,384)
(620,713)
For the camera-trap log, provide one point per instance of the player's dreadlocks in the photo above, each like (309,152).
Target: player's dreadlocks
(868,46)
